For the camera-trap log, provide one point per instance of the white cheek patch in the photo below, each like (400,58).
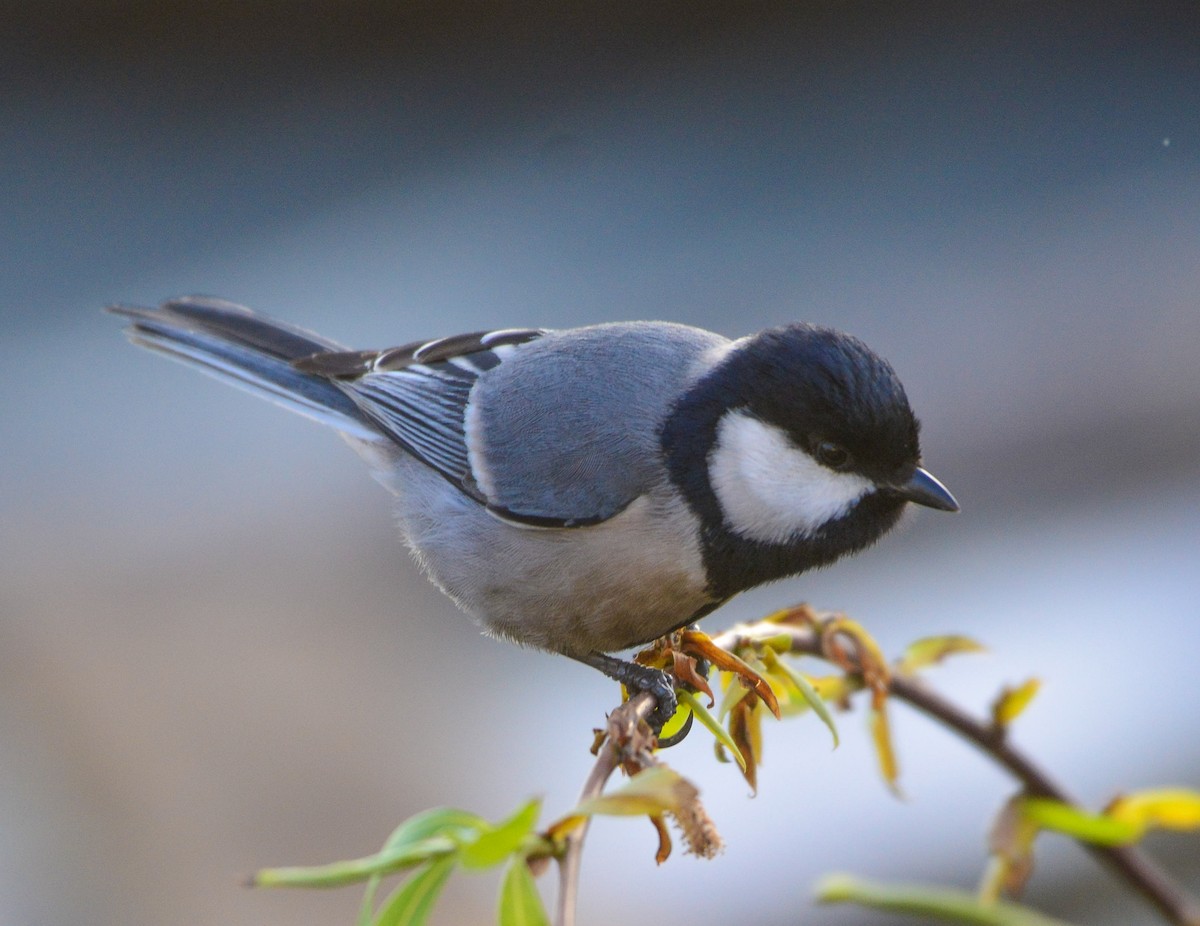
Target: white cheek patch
(769,489)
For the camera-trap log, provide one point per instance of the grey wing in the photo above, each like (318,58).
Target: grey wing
(566,433)
(546,429)
(418,394)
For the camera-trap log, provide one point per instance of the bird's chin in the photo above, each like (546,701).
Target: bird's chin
(736,564)
(860,528)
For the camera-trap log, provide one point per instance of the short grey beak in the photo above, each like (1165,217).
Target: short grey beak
(924,489)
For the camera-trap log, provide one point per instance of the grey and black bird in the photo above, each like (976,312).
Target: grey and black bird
(588,490)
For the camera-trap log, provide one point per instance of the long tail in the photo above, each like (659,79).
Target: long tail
(249,350)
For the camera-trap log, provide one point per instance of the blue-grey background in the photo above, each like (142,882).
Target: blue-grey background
(214,653)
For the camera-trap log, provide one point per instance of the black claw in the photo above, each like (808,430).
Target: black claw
(666,742)
(637,678)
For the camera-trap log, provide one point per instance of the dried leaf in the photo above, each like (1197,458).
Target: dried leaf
(1163,808)
(868,658)
(1011,702)
(664,839)
(699,832)
(1010,843)
(929,651)
(746,729)
(656,790)
(684,668)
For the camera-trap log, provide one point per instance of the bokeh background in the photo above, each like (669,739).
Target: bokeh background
(214,653)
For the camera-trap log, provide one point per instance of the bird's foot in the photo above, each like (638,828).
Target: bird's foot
(638,678)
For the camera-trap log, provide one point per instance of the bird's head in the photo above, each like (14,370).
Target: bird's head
(797,447)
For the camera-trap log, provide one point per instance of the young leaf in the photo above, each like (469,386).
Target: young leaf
(1080,824)
(1165,808)
(806,690)
(520,902)
(411,903)
(930,902)
(711,724)
(1011,702)
(882,737)
(929,651)
(835,689)
(734,692)
(501,841)
(337,874)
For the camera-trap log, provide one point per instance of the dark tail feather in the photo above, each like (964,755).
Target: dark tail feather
(250,351)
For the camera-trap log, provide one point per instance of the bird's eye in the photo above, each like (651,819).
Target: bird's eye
(832,455)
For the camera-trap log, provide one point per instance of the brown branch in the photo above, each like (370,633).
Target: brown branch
(621,738)
(1132,864)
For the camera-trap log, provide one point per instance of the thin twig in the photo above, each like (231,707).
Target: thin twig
(623,725)
(1132,864)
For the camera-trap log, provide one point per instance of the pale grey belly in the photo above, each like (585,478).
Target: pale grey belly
(570,590)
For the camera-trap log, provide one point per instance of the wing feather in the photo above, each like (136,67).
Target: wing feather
(418,393)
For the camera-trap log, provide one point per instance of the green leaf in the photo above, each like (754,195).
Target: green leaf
(711,724)
(411,903)
(438,821)
(337,874)
(930,902)
(520,902)
(653,791)
(498,843)
(434,822)
(735,691)
(1080,824)
(807,692)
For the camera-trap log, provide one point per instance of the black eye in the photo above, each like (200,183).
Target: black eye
(832,455)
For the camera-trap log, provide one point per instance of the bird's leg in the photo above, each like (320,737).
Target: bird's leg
(638,678)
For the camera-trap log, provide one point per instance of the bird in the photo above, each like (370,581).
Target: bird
(588,490)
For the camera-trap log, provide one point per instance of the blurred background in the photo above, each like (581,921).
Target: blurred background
(214,652)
